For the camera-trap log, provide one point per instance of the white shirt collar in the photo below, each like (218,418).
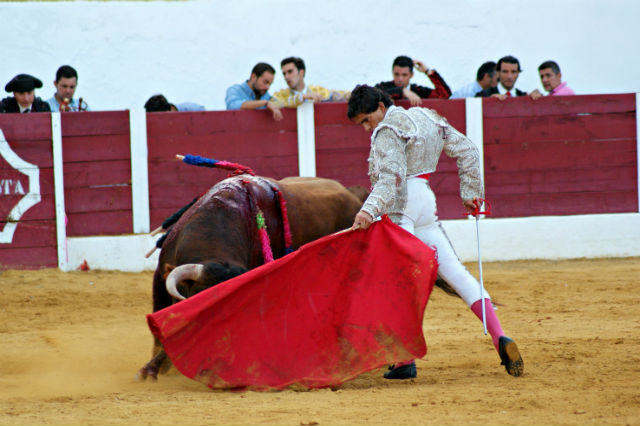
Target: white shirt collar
(303,91)
(504,91)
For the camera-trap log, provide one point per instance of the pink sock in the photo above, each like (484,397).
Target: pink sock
(493,323)
(400,364)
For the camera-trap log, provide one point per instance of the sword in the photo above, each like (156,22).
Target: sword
(476,213)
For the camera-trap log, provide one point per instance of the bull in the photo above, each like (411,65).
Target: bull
(217,237)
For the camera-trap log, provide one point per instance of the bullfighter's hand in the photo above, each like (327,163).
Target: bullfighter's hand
(362,221)
(472,205)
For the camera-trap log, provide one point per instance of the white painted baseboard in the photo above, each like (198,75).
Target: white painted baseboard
(546,237)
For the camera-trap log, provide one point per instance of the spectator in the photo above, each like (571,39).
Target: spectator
(253,93)
(158,103)
(24,96)
(294,72)
(486,77)
(508,71)
(65,84)
(551,79)
(401,88)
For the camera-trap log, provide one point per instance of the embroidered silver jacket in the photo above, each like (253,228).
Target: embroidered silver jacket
(408,143)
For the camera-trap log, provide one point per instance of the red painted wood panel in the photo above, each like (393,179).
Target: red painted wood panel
(95,123)
(558,204)
(96,148)
(570,155)
(28,258)
(251,138)
(97,173)
(567,155)
(524,106)
(560,128)
(342,149)
(34,233)
(110,222)
(562,180)
(34,240)
(27,127)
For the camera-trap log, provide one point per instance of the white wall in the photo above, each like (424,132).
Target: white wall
(192,51)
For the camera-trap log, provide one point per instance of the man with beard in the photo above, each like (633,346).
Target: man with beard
(253,93)
(24,98)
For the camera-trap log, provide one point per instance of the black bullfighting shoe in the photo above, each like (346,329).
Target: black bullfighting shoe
(510,356)
(408,371)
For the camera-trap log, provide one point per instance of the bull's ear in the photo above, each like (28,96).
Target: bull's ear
(167,270)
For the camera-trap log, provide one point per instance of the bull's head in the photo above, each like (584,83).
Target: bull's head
(191,278)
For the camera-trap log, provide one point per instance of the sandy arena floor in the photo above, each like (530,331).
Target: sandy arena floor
(71,343)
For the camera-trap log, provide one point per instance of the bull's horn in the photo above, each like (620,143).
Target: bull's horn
(187,271)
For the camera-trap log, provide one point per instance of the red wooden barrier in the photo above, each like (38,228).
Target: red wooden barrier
(554,156)
(97,173)
(251,138)
(561,155)
(34,241)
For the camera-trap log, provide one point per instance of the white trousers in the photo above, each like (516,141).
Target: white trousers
(419,218)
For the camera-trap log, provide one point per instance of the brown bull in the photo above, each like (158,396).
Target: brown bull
(217,238)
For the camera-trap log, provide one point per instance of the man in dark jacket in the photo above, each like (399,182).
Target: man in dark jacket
(508,71)
(400,87)
(24,99)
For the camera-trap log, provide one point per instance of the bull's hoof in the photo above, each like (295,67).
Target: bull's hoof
(145,372)
(408,371)
(510,356)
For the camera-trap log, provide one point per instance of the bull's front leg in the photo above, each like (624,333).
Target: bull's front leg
(152,368)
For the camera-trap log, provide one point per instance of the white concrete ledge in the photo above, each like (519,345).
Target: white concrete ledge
(547,237)
(117,253)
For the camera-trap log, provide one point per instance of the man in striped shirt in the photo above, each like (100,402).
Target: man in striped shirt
(294,70)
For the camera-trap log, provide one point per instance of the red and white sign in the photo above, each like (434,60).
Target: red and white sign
(19,189)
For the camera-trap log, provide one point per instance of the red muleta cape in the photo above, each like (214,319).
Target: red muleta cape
(336,308)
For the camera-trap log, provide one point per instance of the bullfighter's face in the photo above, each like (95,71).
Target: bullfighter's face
(369,121)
